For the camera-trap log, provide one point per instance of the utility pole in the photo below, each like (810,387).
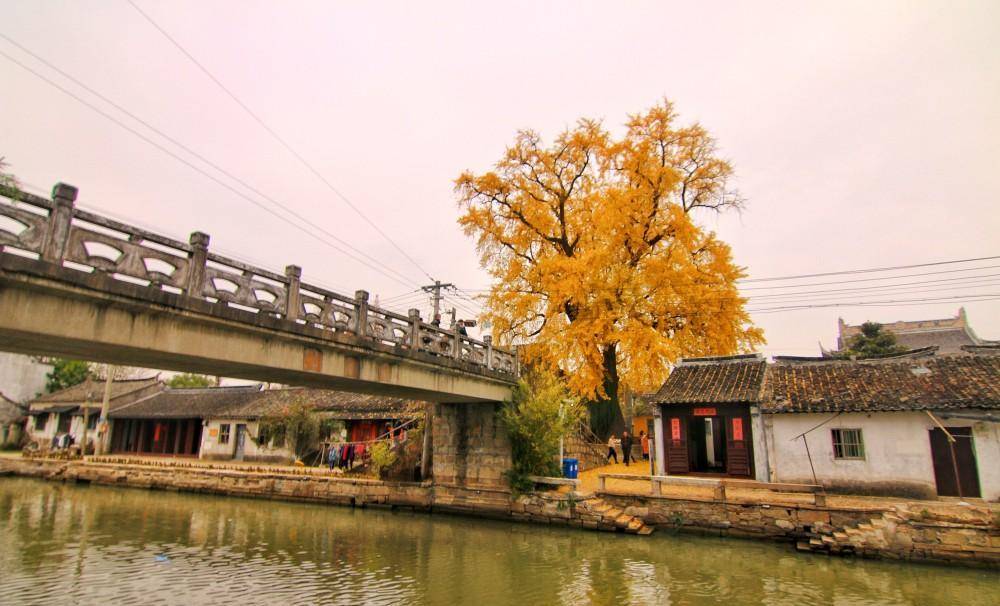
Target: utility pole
(88,396)
(104,434)
(435,290)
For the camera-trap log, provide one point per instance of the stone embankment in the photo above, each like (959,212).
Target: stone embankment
(915,531)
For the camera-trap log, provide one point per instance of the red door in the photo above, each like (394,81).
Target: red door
(675,441)
(737,447)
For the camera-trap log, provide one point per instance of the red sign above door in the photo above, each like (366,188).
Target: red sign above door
(705,412)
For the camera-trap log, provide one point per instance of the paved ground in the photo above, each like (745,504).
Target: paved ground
(642,486)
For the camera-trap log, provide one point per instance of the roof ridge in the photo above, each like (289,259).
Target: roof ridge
(732,359)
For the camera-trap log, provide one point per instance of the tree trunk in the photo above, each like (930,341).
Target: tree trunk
(606,412)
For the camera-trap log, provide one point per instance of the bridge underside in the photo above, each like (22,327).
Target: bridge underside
(95,317)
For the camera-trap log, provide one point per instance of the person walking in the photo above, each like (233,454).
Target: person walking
(611,449)
(627,447)
(644,441)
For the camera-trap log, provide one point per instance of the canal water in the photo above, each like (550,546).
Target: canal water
(65,544)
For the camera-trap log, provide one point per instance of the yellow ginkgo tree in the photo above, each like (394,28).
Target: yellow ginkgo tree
(600,272)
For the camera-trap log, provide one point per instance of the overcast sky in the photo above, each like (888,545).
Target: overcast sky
(863,134)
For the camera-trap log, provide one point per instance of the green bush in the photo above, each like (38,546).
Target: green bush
(539,413)
(297,425)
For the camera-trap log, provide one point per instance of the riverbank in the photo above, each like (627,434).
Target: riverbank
(914,531)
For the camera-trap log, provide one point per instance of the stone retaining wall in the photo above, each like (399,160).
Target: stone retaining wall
(935,533)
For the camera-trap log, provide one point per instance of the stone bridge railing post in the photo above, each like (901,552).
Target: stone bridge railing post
(414,315)
(60,220)
(361,313)
(293,301)
(197,262)
(488,339)
(456,348)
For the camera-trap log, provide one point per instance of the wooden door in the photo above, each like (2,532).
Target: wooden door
(737,447)
(964,460)
(676,445)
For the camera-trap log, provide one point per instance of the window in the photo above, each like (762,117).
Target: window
(847,444)
(41,421)
(224,433)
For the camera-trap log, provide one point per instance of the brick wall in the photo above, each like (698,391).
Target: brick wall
(471,448)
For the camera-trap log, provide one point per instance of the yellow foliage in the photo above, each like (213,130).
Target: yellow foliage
(600,271)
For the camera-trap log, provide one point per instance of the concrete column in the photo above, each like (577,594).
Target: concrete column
(760,463)
(293,302)
(60,221)
(658,443)
(361,313)
(196,264)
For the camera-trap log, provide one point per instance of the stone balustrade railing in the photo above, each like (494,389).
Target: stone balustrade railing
(58,232)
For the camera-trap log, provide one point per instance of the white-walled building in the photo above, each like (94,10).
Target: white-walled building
(56,414)
(224,423)
(881,426)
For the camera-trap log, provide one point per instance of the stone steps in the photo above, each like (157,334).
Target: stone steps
(604,516)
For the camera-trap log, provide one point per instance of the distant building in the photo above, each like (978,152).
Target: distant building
(22,377)
(948,334)
(223,423)
(62,412)
(12,417)
(877,426)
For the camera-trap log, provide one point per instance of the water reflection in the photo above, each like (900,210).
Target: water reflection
(94,545)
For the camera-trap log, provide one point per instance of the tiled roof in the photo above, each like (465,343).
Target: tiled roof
(250,402)
(77,394)
(949,341)
(934,383)
(201,402)
(734,379)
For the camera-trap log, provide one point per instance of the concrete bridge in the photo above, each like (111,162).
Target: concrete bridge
(80,285)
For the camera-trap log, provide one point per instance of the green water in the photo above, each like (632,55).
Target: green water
(64,544)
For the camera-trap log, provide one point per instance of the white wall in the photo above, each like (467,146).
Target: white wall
(21,378)
(897,450)
(44,437)
(211,448)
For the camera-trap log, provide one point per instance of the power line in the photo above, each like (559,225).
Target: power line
(870,270)
(921,274)
(889,287)
(277,137)
(955,299)
(197,155)
(193,166)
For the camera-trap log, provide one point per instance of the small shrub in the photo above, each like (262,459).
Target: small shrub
(382,458)
(539,413)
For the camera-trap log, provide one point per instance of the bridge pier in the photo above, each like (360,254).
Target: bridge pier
(471,447)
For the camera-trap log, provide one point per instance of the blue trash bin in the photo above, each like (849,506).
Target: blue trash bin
(570,468)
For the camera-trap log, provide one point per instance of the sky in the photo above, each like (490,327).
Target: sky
(863,134)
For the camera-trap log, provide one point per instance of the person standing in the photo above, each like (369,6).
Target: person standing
(644,441)
(627,447)
(611,449)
